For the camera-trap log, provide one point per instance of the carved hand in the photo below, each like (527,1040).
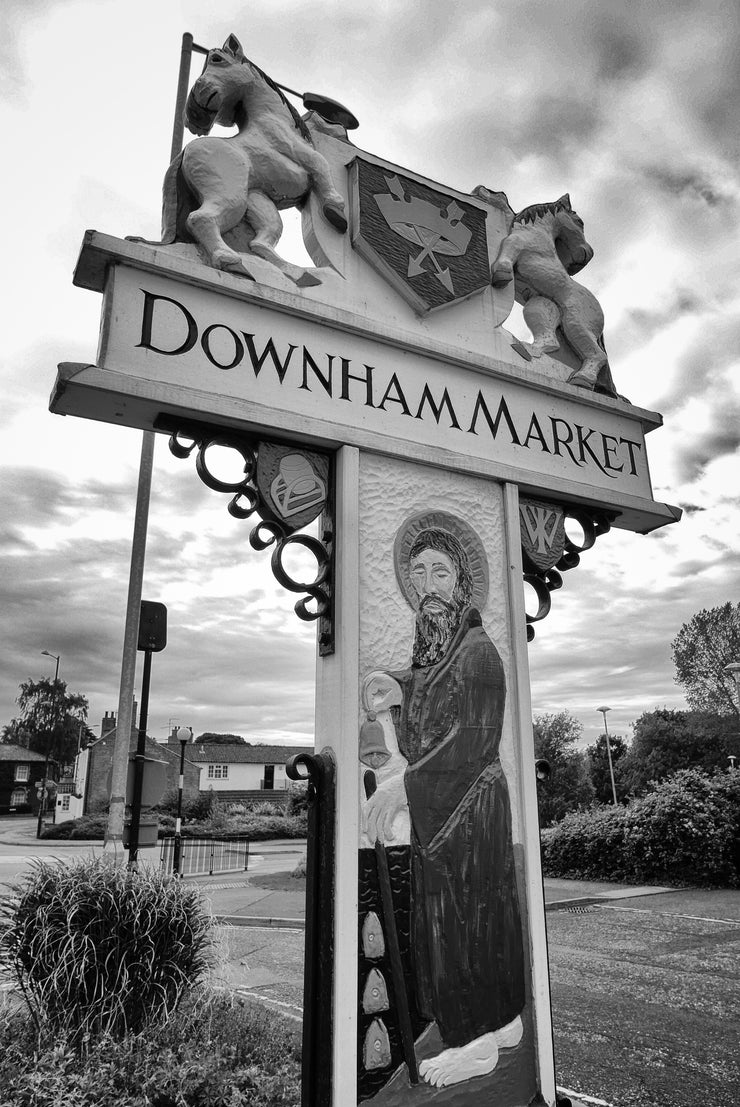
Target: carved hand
(382,808)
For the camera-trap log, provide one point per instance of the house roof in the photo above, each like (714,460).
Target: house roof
(10,752)
(242,754)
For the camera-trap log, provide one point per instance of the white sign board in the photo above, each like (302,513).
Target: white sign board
(171,345)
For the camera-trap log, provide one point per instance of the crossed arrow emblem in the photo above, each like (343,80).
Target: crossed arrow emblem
(437,231)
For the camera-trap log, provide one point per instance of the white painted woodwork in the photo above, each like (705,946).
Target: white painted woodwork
(521,706)
(337,697)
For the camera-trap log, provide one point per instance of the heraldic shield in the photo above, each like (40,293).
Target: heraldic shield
(292,483)
(430,245)
(543,533)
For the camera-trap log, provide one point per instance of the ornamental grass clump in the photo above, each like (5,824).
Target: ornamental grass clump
(98,949)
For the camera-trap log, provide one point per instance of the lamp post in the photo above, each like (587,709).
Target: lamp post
(603,711)
(183,735)
(57,658)
(733,670)
(42,804)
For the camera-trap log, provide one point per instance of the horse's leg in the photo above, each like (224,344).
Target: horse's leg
(218,173)
(264,219)
(582,323)
(542,316)
(502,270)
(317,167)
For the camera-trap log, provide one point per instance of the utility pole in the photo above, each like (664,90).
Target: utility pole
(119,768)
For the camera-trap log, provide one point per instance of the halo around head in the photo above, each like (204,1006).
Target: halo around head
(472,548)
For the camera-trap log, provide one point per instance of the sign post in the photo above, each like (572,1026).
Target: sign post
(379,392)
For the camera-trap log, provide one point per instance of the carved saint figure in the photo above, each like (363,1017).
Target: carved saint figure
(239,183)
(544,248)
(467,950)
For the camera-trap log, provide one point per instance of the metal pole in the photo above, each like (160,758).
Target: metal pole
(42,804)
(119,767)
(178,820)
(603,711)
(133,846)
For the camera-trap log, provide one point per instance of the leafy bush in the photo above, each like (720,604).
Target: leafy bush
(87,827)
(687,830)
(258,828)
(299,872)
(96,948)
(215,1052)
(298,799)
(197,807)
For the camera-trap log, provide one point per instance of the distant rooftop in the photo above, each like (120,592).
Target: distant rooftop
(9,752)
(242,754)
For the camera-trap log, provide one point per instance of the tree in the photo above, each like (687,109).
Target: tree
(208,738)
(666,741)
(598,758)
(51,720)
(704,645)
(569,785)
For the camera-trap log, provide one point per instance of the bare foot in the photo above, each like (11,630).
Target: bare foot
(477,1058)
(510,1035)
(452,1066)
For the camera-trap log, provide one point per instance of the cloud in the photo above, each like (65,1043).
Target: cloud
(633,110)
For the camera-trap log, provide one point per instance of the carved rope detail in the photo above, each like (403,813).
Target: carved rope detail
(548,551)
(255,494)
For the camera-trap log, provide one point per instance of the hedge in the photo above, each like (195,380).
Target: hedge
(685,831)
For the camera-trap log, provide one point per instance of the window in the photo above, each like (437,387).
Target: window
(64,801)
(19,797)
(22,772)
(218,772)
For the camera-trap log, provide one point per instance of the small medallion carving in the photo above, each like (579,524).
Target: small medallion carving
(292,484)
(373,941)
(377,1052)
(543,533)
(375,995)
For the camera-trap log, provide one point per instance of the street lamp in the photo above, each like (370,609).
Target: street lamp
(42,804)
(184,735)
(603,711)
(57,658)
(733,670)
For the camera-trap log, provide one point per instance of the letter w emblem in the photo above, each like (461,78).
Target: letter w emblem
(543,533)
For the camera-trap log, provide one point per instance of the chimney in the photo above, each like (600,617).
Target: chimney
(108,724)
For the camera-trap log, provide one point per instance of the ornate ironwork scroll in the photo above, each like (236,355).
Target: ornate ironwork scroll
(547,549)
(320,772)
(286,486)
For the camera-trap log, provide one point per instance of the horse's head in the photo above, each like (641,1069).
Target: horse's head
(217,95)
(570,241)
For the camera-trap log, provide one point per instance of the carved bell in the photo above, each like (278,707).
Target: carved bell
(375,995)
(373,750)
(373,940)
(377,1049)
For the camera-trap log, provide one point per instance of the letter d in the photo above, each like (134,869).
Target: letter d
(146,325)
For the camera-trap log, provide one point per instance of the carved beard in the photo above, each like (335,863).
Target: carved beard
(435,630)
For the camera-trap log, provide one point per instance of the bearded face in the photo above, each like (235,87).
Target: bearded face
(434,578)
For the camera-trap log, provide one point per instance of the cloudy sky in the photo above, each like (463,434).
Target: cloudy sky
(633,109)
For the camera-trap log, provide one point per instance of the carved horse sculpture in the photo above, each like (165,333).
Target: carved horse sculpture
(239,183)
(544,247)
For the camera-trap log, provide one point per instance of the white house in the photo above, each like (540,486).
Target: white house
(242,768)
